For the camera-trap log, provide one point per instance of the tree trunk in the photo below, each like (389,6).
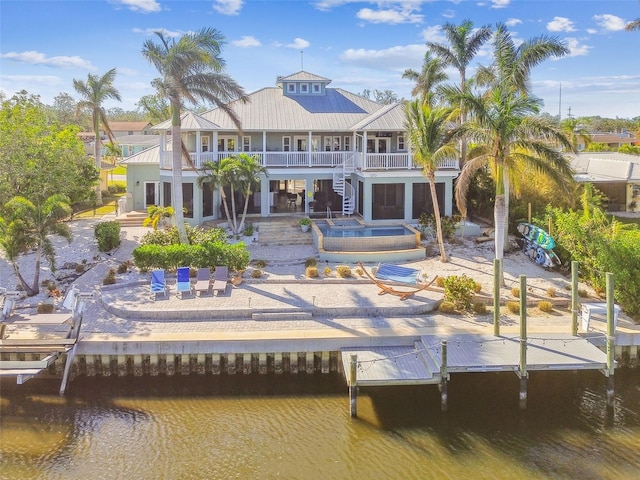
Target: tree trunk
(28,290)
(244,210)
(436,214)
(226,207)
(176,164)
(498,218)
(507,198)
(35,288)
(97,153)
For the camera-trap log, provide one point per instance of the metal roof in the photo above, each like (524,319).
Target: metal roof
(148,156)
(189,121)
(303,76)
(269,109)
(605,167)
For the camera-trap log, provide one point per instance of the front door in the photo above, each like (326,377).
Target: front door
(377,145)
(151,193)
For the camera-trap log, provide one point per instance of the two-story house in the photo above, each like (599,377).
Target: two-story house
(326,150)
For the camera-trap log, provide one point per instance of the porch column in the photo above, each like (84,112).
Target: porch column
(197,162)
(448,196)
(309,147)
(364,151)
(162,146)
(265,196)
(214,147)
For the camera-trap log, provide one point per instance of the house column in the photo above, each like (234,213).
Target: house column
(162,146)
(309,147)
(214,147)
(265,197)
(198,163)
(448,196)
(364,150)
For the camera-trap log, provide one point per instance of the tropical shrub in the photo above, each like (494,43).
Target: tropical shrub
(446,307)
(310,262)
(513,306)
(108,235)
(343,271)
(545,306)
(459,291)
(479,308)
(311,272)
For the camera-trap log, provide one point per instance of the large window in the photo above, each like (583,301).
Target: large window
(388,201)
(166,194)
(226,144)
(204,143)
(286,144)
(207,200)
(187,199)
(401,144)
(421,200)
(246,143)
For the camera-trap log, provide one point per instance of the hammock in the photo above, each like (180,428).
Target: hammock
(403,294)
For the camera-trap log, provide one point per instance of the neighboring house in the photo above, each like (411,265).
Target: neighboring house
(326,151)
(616,175)
(120,129)
(132,144)
(615,140)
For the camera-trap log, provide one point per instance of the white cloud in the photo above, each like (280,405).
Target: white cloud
(561,24)
(40,79)
(153,31)
(592,31)
(500,3)
(512,22)
(228,7)
(37,58)
(610,22)
(399,57)
(449,14)
(144,6)
(298,44)
(434,34)
(246,41)
(402,13)
(575,49)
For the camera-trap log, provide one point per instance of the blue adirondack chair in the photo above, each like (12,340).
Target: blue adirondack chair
(183,284)
(158,283)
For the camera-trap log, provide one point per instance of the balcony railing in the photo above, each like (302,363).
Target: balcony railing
(362,161)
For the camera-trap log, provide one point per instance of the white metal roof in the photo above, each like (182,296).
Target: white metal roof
(189,121)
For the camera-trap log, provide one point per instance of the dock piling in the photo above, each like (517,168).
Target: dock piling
(522,371)
(353,385)
(444,377)
(574,298)
(496,297)
(611,362)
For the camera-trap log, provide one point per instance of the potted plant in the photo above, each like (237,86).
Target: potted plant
(305,224)
(632,205)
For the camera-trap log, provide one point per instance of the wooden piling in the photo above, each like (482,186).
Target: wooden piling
(574,298)
(611,363)
(444,378)
(496,296)
(522,371)
(353,385)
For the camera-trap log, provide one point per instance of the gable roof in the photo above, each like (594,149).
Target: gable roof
(605,167)
(389,117)
(302,76)
(189,121)
(129,126)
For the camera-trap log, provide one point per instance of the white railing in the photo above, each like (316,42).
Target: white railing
(368,161)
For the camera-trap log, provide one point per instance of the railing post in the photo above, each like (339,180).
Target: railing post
(353,385)
(574,298)
(611,362)
(522,371)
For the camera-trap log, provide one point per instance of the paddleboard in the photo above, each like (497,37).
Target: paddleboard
(536,235)
(538,255)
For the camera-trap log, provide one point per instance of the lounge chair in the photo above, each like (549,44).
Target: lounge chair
(184,282)
(396,274)
(203,280)
(158,283)
(220,277)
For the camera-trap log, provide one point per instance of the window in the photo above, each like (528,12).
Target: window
(291,88)
(316,88)
(226,144)
(286,144)
(207,200)
(204,143)
(388,201)
(304,88)
(166,194)
(401,144)
(187,199)
(347,144)
(246,143)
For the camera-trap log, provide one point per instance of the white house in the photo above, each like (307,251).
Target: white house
(325,150)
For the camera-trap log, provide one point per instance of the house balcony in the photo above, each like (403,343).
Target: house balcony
(361,161)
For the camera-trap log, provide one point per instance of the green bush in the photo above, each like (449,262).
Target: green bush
(513,306)
(110,278)
(311,272)
(459,291)
(479,308)
(311,262)
(108,235)
(117,187)
(446,307)
(343,271)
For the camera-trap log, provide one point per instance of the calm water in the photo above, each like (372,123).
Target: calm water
(327,231)
(268,427)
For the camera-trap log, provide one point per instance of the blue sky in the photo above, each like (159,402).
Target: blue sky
(360,45)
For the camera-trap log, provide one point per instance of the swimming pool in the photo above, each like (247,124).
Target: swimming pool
(353,240)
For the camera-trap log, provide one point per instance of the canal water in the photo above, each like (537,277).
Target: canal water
(298,427)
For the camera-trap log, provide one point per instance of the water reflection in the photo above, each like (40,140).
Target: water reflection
(299,427)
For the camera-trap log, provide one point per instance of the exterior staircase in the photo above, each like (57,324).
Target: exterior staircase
(131,219)
(284,231)
(344,188)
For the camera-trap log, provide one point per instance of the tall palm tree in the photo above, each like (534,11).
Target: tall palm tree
(94,92)
(633,25)
(430,140)
(27,226)
(507,133)
(575,132)
(464,43)
(427,81)
(191,69)
(249,170)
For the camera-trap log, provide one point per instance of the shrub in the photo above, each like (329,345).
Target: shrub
(169,257)
(583,293)
(123,267)
(256,273)
(545,306)
(312,272)
(446,307)
(117,187)
(360,272)
(110,278)
(248,231)
(108,235)
(327,271)
(440,282)
(261,263)
(479,308)
(459,291)
(80,268)
(343,271)
(45,308)
(477,287)
(513,306)
(310,262)
(515,292)
(551,292)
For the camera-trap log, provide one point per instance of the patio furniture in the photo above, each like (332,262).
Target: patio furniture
(220,277)
(183,283)
(158,283)
(203,280)
(397,274)
(599,309)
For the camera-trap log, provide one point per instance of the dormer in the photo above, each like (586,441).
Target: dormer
(303,83)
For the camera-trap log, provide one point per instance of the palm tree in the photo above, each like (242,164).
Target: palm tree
(507,134)
(464,44)
(220,175)
(427,81)
(575,132)
(191,68)
(633,25)
(430,141)
(249,170)
(28,226)
(94,92)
